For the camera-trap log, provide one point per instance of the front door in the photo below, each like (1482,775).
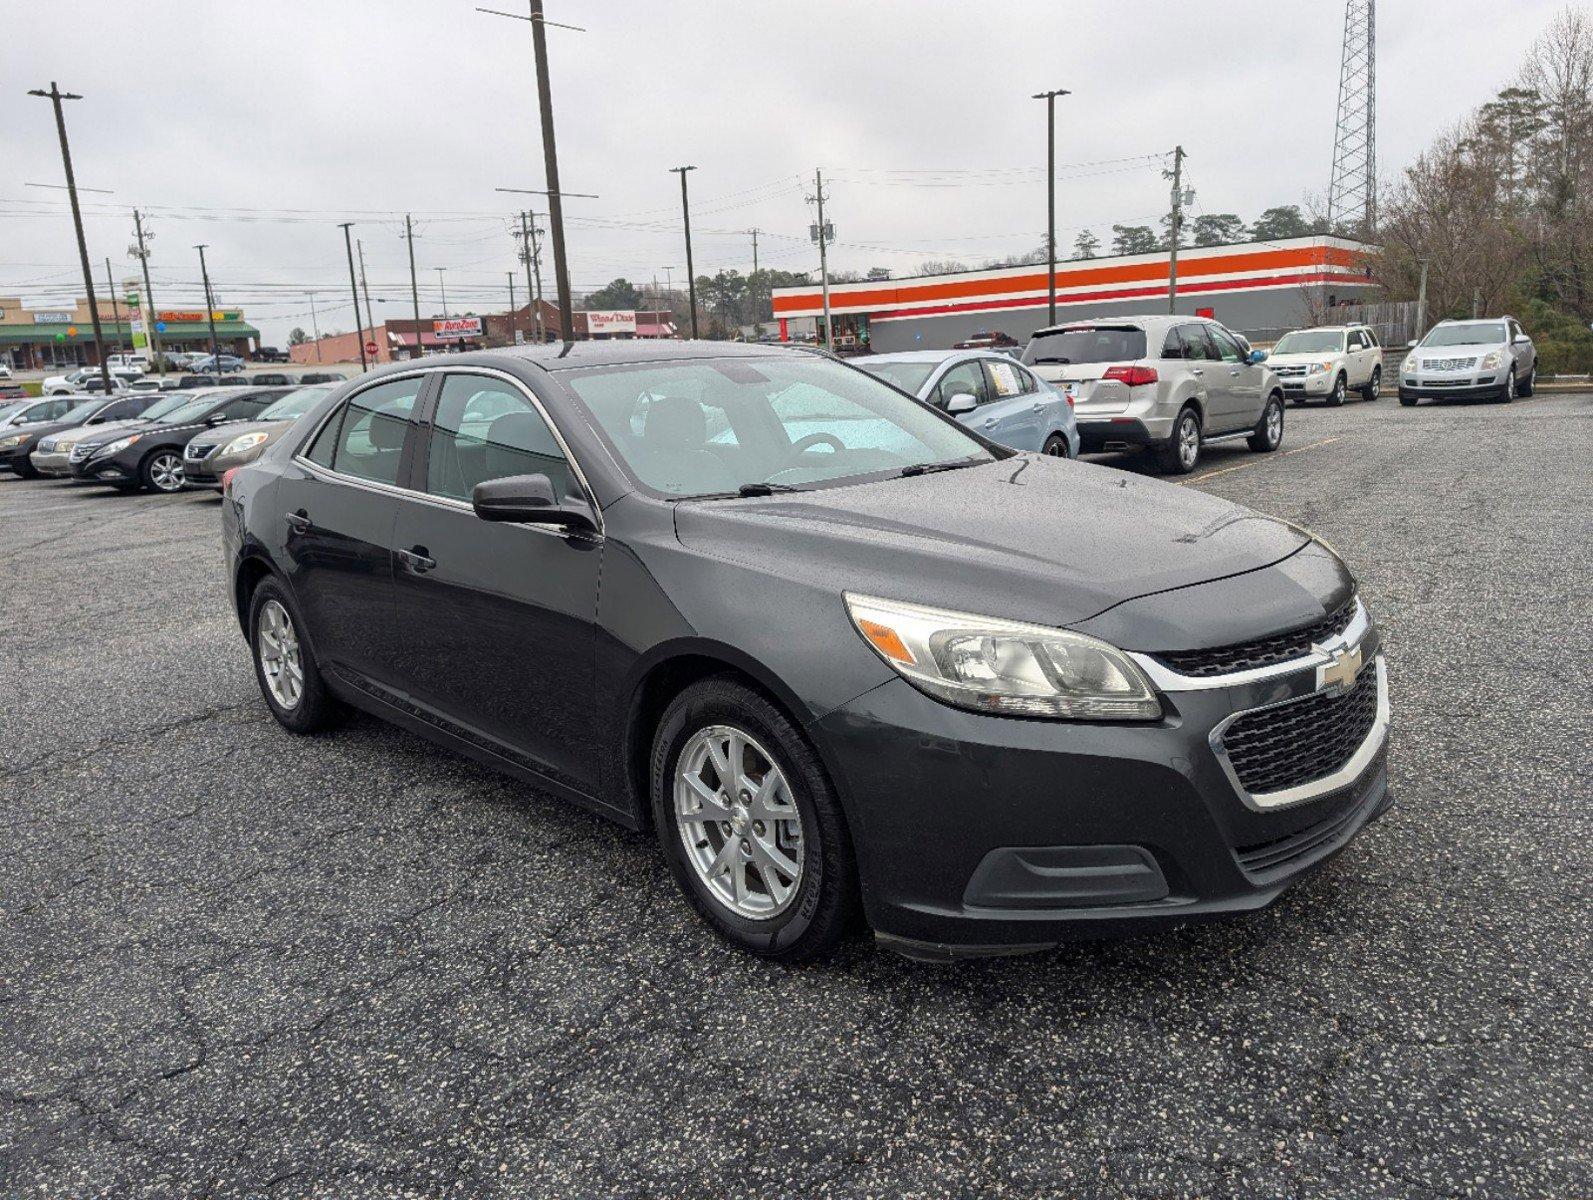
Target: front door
(337,527)
(496,621)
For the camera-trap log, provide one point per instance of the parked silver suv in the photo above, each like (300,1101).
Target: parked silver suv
(1492,359)
(1170,383)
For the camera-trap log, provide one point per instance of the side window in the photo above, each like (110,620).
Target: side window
(1005,380)
(1173,347)
(1029,383)
(326,442)
(241,409)
(964,377)
(1227,349)
(485,430)
(1197,345)
(370,440)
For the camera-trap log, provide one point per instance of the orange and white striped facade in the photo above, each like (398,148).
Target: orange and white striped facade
(1259,284)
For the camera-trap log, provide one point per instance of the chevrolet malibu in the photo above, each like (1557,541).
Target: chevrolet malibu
(843,656)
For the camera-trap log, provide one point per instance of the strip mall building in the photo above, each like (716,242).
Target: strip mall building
(1260,289)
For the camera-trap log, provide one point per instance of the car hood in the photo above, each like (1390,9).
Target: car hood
(234,429)
(1468,350)
(1029,538)
(1273,360)
(99,438)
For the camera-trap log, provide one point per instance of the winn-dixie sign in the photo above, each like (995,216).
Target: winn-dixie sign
(457,327)
(616,320)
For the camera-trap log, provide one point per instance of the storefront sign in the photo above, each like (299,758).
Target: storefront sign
(619,320)
(189,317)
(457,327)
(52,318)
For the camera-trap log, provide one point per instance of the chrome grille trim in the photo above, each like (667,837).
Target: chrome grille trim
(1167,680)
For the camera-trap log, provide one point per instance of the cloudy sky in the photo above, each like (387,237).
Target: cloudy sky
(256,127)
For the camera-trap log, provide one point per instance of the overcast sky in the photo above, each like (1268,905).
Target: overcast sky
(256,127)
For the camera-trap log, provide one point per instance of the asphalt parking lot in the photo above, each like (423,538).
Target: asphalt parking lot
(238,963)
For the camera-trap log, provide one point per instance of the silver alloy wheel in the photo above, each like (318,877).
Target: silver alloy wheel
(281,661)
(738,822)
(166,472)
(1510,384)
(1337,397)
(1274,422)
(1188,442)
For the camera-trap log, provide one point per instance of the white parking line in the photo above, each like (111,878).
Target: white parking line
(1258,461)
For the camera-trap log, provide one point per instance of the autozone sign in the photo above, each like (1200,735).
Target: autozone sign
(618,320)
(457,327)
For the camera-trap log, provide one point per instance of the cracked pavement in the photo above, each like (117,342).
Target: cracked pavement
(238,963)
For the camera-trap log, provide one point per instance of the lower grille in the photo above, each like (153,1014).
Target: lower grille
(193,452)
(1290,744)
(1263,652)
(1343,808)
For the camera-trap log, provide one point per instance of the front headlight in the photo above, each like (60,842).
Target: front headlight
(15,439)
(1491,362)
(1409,363)
(1316,368)
(1004,667)
(247,441)
(118,445)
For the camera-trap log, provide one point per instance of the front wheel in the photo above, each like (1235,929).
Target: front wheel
(289,678)
(1407,401)
(1180,453)
(1530,384)
(1369,392)
(162,471)
(1336,396)
(25,469)
(1507,393)
(1269,430)
(750,824)
(1056,446)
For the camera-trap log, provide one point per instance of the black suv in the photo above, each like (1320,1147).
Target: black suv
(839,652)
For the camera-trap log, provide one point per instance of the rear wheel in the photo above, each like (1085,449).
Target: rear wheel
(1056,446)
(1269,430)
(749,823)
(1336,396)
(1369,392)
(1180,453)
(162,471)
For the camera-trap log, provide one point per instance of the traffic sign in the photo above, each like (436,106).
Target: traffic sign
(370,347)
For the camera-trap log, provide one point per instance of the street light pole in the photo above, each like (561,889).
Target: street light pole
(210,312)
(55,95)
(1050,197)
(354,287)
(414,289)
(365,287)
(691,275)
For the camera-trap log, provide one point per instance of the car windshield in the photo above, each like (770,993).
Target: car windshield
(194,410)
(909,376)
(1466,333)
(161,407)
(1097,344)
(1310,341)
(83,412)
(711,427)
(295,404)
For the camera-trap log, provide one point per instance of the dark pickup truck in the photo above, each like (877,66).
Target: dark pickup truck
(270,354)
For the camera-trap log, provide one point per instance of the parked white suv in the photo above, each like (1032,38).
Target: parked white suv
(1172,384)
(1328,362)
(1492,359)
(129,362)
(77,381)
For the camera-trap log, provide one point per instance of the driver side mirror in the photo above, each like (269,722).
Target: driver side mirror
(1256,356)
(528,500)
(1521,339)
(1411,345)
(962,402)
(217,419)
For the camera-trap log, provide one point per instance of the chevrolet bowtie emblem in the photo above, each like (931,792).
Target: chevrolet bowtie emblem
(1342,671)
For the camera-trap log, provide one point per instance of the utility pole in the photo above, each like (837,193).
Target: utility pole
(414,288)
(561,267)
(1050,198)
(116,307)
(1421,302)
(55,95)
(354,287)
(752,283)
(691,275)
(149,297)
(442,285)
(511,307)
(210,312)
(1176,232)
(315,327)
(366,288)
(531,255)
(823,238)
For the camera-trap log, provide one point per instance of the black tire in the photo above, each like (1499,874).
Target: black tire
(1263,440)
(826,900)
(1173,455)
(1056,446)
(316,708)
(1408,401)
(155,472)
(1507,392)
(1336,396)
(1530,384)
(1370,391)
(25,469)
(1299,400)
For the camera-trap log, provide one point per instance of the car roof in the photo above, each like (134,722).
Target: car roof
(931,356)
(565,356)
(1136,322)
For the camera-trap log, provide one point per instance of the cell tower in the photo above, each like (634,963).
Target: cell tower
(1352,192)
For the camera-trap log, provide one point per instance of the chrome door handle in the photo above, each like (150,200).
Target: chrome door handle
(417,560)
(1197,370)
(1234,372)
(300,521)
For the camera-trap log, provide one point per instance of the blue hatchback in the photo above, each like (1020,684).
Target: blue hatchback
(989,392)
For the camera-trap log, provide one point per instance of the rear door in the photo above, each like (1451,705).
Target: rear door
(1014,411)
(337,512)
(497,621)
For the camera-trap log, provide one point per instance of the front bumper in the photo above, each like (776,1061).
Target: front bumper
(207,472)
(11,455)
(1473,385)
(107,469)
(985,835)
(53,464)
(1296,386)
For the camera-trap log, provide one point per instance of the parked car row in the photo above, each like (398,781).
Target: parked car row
(90,380)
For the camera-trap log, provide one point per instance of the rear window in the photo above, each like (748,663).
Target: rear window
(1096,344)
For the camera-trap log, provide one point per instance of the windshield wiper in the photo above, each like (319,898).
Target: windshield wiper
(932,468)
(764,489)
